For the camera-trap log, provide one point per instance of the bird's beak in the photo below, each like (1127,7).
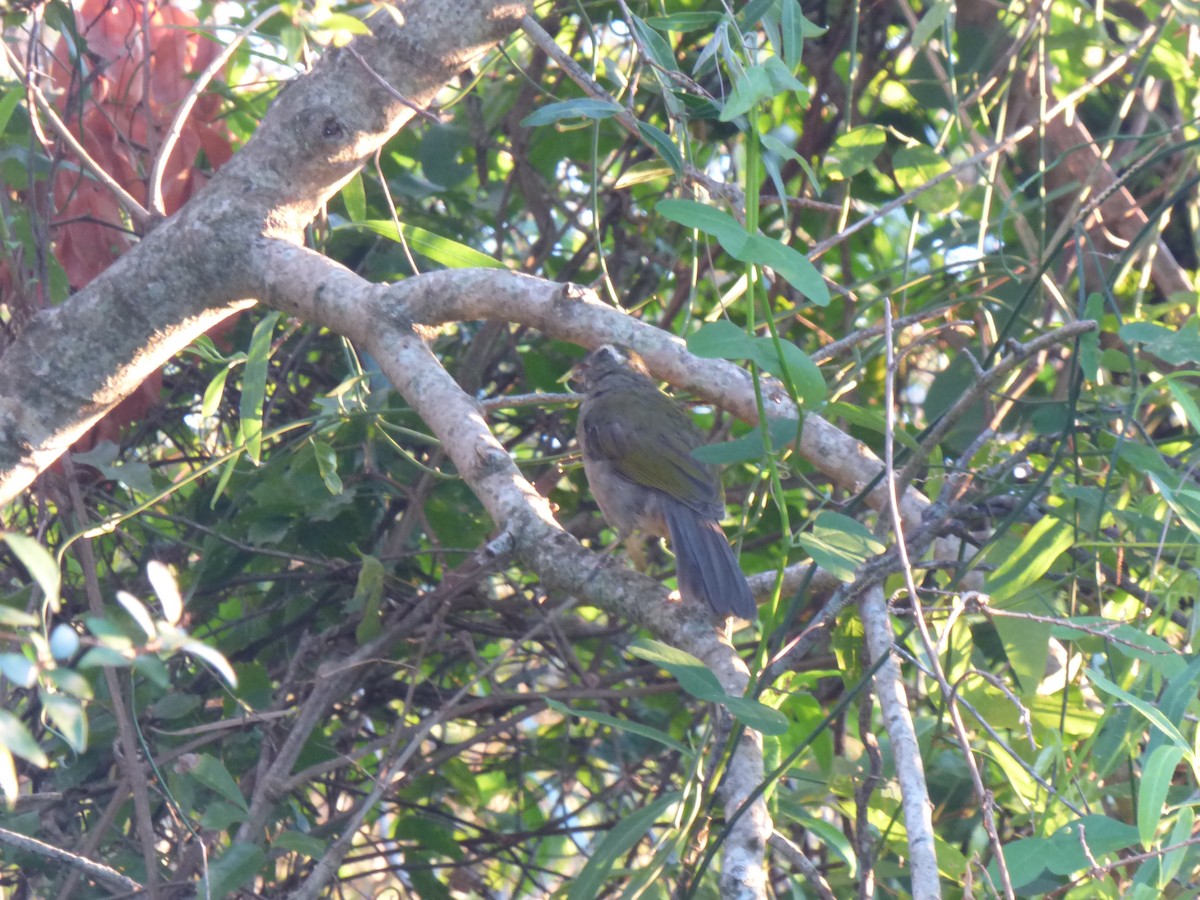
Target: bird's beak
(576,376)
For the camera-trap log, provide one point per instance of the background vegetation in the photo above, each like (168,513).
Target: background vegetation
(965,234)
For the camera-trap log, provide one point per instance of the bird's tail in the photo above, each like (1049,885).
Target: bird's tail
(705,565)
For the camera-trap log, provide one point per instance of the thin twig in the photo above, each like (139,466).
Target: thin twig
(185,108)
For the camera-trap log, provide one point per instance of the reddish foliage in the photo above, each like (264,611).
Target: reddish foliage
(120,103)
(121,114)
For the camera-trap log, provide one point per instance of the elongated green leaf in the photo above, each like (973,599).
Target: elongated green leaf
(788,359)
(1180,834)
(930,23)
(1151,713)
(67,715)
(254,385)
(751,86)
(662,143)
(588,884)
(1157,775)
(368,595)
(234,868)
(682,22)
(211,772)
(355,198)
(724,227)
(441,250)
(699,681)
(749,446)
(327,465)
(8,103)
(788,262)
(1037,552)
(1089,344)
(15,738)
(579,108)
(656,45)
(39,563)
(616,724)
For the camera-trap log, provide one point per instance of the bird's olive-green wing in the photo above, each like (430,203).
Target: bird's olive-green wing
(651,444)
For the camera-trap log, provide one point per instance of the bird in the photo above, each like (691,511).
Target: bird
(637,447)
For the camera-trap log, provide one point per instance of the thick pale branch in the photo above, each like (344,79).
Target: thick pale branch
(910,770)
(570,313)
(371,315)
(73,363)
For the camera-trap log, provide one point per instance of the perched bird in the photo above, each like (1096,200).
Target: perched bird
(637,452)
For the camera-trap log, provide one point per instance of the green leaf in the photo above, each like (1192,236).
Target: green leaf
(1026,643)
(17,618)
(724,227)
(916,166)
(682,22)
(1172,861)
(15,738)
(9,784)
(1150,713)
(18,669)
(699,681)
(930,23)
(327,466)
(138,612)
(213,393)
(236,867)
(166,589)
(1037,552)
(211,772)
(70,682)
(254,384)
(1174,347)
(662,143)
(219,815)
(630,829)
(213,657)
(295,841)
(720,340)
(839,544)
(39,563)
(788,262)
(578,108)
(803,373)
(1182,396)
(441,250)
(854,151)
(751,86)
(656,45)
(1183,502)
(67,715)
(616,724)
(782,79)
(8,103)
(1157,774)
(1176,697)
(749,446)
(355,198)
(368,595)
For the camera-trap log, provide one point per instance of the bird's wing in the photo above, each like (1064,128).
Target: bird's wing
(658,457)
